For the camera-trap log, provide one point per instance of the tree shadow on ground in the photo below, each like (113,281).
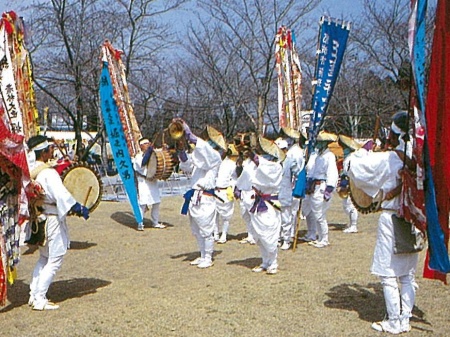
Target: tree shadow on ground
(59,291)
(367,301)
(191,256)
(248,263)
(127,219)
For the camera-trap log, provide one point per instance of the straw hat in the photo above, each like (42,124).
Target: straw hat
(324,136)
(216,137)
(269,147)
(349,142)
(290,132)
(232,149)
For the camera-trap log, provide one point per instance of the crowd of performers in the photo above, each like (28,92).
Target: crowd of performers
(262,179)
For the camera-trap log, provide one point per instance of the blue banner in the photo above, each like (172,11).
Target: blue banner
(332,42)
(117,140)
(418,53)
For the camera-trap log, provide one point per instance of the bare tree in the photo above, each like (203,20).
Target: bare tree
(66,39)
(234,44)
(376,76)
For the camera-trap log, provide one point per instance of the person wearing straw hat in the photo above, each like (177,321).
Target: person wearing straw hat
(322,180)
(200,201)
(148,190)
(348,146)
(380,172)
(265,212)
(52,211)
(225,182)
(291,169)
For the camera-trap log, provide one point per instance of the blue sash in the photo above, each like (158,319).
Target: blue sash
(188,196)
(260,202)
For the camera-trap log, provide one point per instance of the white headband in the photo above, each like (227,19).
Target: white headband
(41,146)
(144,141)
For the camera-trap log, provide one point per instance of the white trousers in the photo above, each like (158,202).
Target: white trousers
(266,231)
(315,211)
(350,210)
(202,216)
(399,303)
(154,214)
(224,214)
(245,204)
(295,208)
(286,223)
(269,256)
(205,246)
(43,274)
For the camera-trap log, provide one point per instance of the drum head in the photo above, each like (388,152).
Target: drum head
(152,166)
(363,202)
(84,183)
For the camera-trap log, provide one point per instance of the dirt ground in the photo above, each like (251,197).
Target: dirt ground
(116,281)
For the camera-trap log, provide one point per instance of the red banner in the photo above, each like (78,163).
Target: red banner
(438,119)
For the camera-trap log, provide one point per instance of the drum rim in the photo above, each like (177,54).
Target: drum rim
(162,156)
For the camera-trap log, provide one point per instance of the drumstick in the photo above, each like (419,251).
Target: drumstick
(87,195)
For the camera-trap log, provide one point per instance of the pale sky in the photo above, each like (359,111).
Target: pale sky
(337,8)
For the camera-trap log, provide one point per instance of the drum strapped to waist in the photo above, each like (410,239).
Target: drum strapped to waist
(363,202)
(84,183)
(160,165)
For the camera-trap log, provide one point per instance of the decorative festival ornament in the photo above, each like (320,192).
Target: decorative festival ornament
(123,137)
(289,79)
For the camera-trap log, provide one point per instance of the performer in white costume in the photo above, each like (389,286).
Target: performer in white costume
(372,172)
(148,190)
(57,203)
(244,192)
(349,146)
(291,169)
(265,213)
(297,151)
(225,182)
(322,179)
(200,202)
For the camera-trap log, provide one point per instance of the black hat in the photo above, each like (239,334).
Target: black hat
(400,120)
(38,142)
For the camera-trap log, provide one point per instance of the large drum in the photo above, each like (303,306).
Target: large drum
(363,202)
(84,183)
(160,165)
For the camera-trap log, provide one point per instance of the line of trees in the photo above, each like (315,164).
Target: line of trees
(221,69)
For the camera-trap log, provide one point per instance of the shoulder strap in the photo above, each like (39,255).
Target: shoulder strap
(34,173)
